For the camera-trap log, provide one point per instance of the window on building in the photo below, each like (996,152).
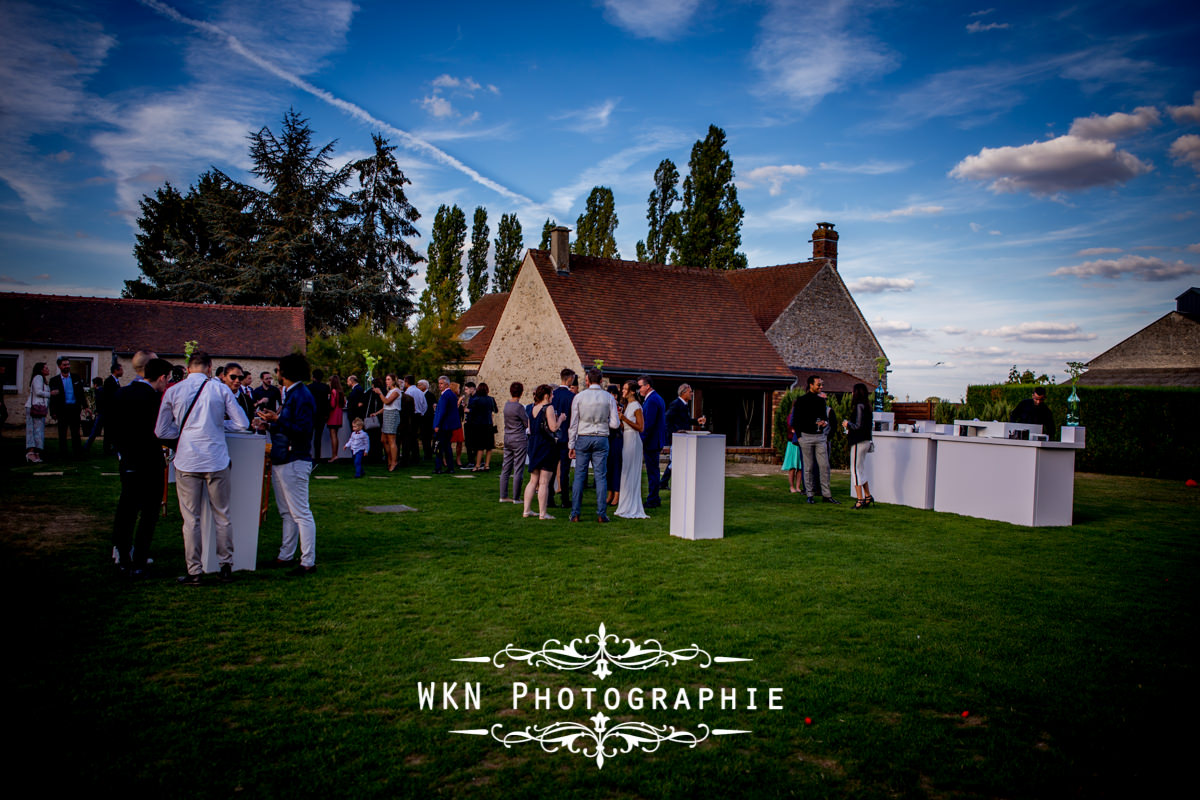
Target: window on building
(469,334)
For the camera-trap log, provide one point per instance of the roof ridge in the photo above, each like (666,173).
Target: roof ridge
(174,303)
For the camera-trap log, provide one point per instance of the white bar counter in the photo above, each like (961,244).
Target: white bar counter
(698,485)
(1010,480)
(902,467)
(247,456)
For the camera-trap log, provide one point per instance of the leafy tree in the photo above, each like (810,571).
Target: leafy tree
(477,258)
(385,219)
(711,218)
(664,221)
(508,253)
(1014,375)
(225,242)
(443,294)
(594,228)
(547,229)
(397,348)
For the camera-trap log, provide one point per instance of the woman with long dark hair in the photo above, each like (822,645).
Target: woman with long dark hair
(480,433)
(36,406)
(336,401)
(543,453)
(858,435)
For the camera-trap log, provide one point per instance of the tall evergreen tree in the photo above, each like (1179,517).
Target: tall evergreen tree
(477,258)
(385,219)
(225,242)
(660,214)
(711,218)
(547,229)
(444,274)
(508,253)
(595,227)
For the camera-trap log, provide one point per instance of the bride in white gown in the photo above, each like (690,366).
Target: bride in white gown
(630,505)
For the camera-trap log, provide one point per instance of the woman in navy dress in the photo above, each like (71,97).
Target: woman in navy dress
(543,451)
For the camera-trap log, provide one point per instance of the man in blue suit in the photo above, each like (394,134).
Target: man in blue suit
(561,401)
(654,436)
(445,422)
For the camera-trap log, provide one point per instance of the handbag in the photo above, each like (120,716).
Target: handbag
(370,421)
(38,410)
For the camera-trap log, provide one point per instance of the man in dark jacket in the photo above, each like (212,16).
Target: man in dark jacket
(104,404)
(1034,411)
(66,402)
(654,437)
(810,419)
(561,402)
(291,464)
(356,399)
(679,418)
(132,416)
(320,395)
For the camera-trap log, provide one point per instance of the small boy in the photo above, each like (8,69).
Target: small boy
(359,444)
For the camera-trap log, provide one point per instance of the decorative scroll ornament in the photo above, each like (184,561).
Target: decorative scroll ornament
(599,742)
(648,654)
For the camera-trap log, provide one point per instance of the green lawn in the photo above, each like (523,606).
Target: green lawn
(1067,648)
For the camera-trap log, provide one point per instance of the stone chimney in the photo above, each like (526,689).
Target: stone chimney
(1188,302)
(824,241)
(560,249)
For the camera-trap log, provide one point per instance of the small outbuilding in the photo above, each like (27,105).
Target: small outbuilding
(1164,353)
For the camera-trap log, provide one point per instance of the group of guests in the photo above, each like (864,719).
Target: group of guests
(613,431)
(190,417)
(810,423)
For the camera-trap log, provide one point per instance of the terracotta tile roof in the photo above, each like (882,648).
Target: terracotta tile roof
(767,291)
(834,381)
(126,326)
(660,319)
(484,313)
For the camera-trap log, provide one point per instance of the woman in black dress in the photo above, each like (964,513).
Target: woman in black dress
(481,435)
(858,436)
(543,451)
(615,439)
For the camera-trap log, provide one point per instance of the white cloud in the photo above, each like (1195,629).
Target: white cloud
(1186,150)
(876,285)
(1098,251)
(908,211)
(591,118)
(1041,332)
(1115,126)
(402,137)
(46,59)
(1063,164)
(1186,114)
(1194,248)
(979,27)
(1144,268)
(651,19)
(894,328)
(807,50)
(775,176)
(871,167)
(953,330)
(982,13)
(437,106)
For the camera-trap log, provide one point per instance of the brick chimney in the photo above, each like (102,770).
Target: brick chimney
(560,249)
(824,241)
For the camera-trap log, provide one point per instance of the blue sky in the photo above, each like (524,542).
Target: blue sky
(1012,182)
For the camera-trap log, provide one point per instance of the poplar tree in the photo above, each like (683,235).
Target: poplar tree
(595,227)
(547,229)
(443,293)
(508,253)
(660,214)
(477,257)
(711,218)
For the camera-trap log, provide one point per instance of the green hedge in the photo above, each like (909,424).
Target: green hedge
(1152,432)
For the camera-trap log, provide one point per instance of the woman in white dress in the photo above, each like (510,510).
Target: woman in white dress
(630,506)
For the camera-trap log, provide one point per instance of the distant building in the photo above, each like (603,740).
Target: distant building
(739,338)
(1164,353)
(95,331)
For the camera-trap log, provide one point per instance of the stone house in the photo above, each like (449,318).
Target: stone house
(1164,353)
(95,332)
(739,338)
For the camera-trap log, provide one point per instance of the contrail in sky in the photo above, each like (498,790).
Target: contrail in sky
(359,113)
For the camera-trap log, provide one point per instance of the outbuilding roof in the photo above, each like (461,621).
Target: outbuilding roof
(126,325)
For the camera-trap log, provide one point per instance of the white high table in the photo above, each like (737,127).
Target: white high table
(698,485)
(1010,480)
(247,455)
(902,468)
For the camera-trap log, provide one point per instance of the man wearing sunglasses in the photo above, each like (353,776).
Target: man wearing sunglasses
(233,377)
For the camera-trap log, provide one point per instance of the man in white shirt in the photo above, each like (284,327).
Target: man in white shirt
(194,412)
(593,415)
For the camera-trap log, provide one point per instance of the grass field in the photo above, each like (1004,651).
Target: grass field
(1067,648)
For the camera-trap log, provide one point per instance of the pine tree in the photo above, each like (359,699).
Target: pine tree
(508,253)
(595,227)
(663,220)
(547,229)
(443,294)
(711,218)
(477,257)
